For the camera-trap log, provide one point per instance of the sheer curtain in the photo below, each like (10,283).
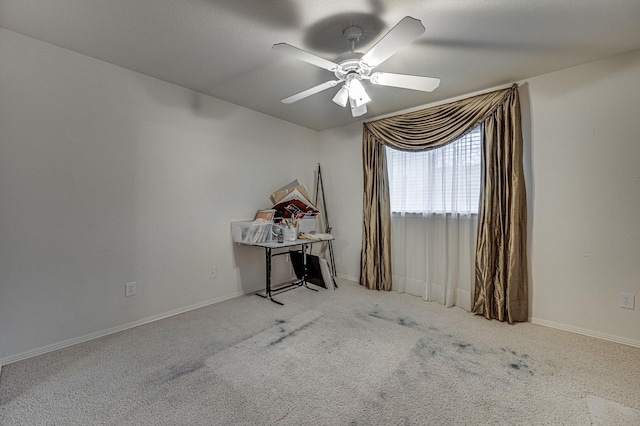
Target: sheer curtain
(434,197)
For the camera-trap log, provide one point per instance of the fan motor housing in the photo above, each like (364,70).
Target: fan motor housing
(349,67)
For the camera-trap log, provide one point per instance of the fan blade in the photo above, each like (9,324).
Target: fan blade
(303,55)
(407,30)
(413,82)
(319,88)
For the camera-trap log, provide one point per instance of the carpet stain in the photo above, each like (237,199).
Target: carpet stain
(403,321)
(289,333)
(464,347)
(425,349)
(467,359)
(521,366)
(466,371)
(407,322)
(514,353)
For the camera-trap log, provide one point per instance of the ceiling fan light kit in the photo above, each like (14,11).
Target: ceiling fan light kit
(357,93)
(356,110)
(342,96)
(353,70)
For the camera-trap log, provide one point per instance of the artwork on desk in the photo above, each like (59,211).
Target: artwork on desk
(327,277)
(266,214)
(279,194)
(295,203)
(314,271)
(292,201)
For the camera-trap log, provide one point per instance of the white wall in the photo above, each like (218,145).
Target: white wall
(582,161)
(343,180)
(585,155)
(108,176)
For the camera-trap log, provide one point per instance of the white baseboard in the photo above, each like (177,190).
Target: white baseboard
(102,333)
(586,332)
(348,277)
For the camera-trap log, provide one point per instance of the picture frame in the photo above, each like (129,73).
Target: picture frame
(265,214)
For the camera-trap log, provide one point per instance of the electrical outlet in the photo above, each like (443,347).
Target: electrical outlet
(213,272)
(627,301)
(129,289)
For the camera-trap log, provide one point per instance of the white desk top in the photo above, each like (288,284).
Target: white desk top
(275,244)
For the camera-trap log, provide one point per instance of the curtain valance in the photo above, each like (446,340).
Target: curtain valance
(436,126)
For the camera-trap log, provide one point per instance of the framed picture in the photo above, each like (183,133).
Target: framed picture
(265,214)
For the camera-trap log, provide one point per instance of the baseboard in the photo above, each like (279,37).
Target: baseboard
(348,277)
(55,346)
(586,332)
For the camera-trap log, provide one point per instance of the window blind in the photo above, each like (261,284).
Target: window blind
(443,180)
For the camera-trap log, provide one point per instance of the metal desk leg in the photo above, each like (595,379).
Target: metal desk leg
(268,273)
(333,264)
(305,270)
(267,290)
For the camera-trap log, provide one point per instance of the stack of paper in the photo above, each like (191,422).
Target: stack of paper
(292,200)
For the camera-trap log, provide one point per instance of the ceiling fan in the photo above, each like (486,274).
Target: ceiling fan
(358,67)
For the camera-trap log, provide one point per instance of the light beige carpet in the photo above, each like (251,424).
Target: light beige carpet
(350,356)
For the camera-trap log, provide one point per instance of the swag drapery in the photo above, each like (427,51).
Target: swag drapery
(501,289)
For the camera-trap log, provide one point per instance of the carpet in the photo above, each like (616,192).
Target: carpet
(346,357)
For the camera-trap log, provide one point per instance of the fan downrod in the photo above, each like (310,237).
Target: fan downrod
(353,34)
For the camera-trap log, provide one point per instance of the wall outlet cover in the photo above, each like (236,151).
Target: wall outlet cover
(627,301)
(129,289)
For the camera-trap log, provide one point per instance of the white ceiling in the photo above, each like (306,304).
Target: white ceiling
(223,47)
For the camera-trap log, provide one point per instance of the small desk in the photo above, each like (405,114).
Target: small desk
(269,246)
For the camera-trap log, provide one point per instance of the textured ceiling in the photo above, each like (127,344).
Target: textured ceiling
(223,47)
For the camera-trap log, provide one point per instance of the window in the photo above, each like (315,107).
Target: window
(442,180)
